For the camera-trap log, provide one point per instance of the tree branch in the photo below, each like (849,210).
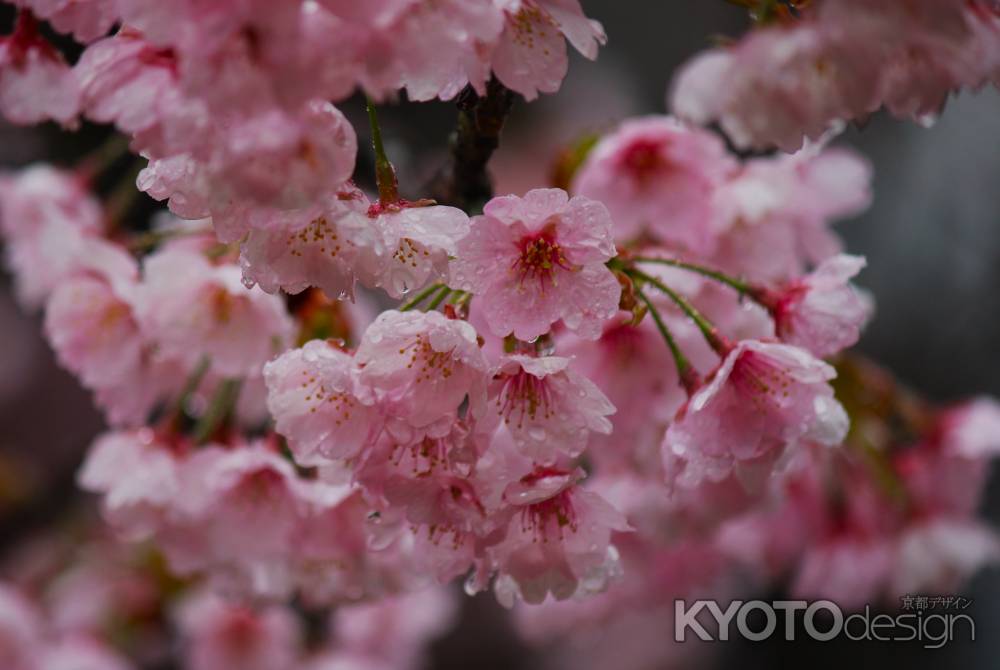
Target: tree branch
(465,182)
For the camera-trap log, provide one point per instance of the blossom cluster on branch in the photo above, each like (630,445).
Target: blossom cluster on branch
(591,400)
(802,74)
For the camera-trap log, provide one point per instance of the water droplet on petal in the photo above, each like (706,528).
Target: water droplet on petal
(470,587)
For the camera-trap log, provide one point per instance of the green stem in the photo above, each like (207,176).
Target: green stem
(103,157)
(686,373)
(420,297)
(123,197)
(708,330)
(220,408)
(738,284)
(764,11)
(881,469)
(148,240)
(385,174)
(460,298)
(439,298)
(192,384)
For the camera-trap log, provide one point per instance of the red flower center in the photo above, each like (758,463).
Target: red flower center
(539,518)
(524,395)
(539,259)
(644,161)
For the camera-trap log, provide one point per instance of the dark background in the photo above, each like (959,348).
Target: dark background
(931,239)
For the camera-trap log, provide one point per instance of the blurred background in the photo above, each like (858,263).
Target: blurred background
(932,238)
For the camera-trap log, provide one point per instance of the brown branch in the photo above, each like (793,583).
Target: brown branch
(465,181)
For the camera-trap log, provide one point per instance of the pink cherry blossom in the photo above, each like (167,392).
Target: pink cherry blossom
(127,81)
(733,87)
(137,473)
(548,407)
(433,484)
(41,194)
(180,181)
(946,473)
(822,312)
(261,53)
(410,621)
(938,556)
(620,623)
(438,48)
(56,252)
(193,309)
(632,367)
(420,367)
(558,541)
(849,571)
(909,525)
(709,503)
(410,475)
(775,212)
(629,635)
(273,155)
(21,630)
(246,51)
(285,159)
(235,517)
(91,324)
(436,485)
(415,246)
(296,457)
(539,260)
(319,246)
(763,398)
(103,583)
(531,54)
(81,653)
(87,20)
(659,177)
(972,429)
(800,78)
(36,84)
(434,49)
(221,634)
(30,641)
(900,554)
(925,49)
(274,159)
(51,224)
(313,398)
(771,538)
(341,554)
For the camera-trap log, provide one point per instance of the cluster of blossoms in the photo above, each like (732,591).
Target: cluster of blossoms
(592,401)
(97,604)
(230,102)
(808,69)
(862,525)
